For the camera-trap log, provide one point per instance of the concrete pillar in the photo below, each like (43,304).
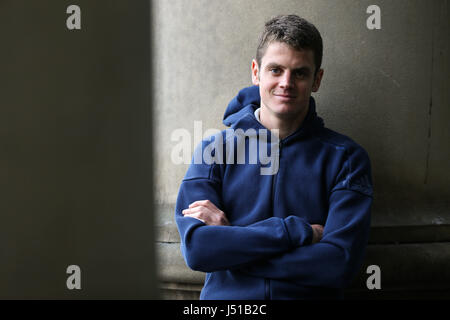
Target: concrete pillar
(75,164)
(388,89)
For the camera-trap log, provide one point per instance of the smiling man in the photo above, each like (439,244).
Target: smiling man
(301,232)
(286,76)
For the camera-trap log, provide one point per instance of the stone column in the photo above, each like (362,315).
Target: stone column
(75,164)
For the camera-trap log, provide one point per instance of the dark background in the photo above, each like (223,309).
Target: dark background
(76,157)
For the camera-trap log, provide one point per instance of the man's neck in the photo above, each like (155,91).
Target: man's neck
(286,125)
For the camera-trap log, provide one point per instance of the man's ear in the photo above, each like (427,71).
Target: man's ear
(317,80)
(255,72)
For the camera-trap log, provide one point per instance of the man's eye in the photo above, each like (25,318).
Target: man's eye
(301,74)
(275,71)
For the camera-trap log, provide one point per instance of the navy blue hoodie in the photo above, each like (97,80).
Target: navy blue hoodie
(322,177)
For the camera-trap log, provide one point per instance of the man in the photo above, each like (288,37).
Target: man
(301,232)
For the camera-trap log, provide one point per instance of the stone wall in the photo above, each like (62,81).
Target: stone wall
(388,89)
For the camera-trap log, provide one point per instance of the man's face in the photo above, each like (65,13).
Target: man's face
(286,80)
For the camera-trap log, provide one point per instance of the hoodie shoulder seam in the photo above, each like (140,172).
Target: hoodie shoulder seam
(347,144)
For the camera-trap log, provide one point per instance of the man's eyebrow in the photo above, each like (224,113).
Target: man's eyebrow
(279,66)
(302,69)
(274,65)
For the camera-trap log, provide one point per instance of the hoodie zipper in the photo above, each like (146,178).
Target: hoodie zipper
(274,178)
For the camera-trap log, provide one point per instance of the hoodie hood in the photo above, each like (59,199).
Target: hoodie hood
(240,110)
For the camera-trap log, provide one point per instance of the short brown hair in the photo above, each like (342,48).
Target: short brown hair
(295,32)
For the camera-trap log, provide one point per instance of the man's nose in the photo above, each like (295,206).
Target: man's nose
(286,80)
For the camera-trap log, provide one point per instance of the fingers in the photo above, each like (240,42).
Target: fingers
(207,212)
(199,208)
(191,210)
(196,213)
(317,232)
(205,203)
(195,216)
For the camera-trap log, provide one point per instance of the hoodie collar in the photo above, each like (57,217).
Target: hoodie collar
(241,109)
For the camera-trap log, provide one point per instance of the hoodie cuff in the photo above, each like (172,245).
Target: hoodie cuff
(299,231)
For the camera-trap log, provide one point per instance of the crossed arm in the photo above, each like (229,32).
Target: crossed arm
(210,243)
(209,214)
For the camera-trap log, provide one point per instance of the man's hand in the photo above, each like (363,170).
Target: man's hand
(206,212)
(317,232)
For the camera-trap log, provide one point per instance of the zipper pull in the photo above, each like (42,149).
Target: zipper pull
(280,145)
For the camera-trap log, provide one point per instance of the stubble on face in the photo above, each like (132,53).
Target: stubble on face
(286,79)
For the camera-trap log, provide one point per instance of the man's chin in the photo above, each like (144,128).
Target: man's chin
(287,110)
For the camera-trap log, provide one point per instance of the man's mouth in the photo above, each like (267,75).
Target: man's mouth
(285,95)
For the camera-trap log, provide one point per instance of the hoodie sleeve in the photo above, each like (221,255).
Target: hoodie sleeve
(335,260)
(212,248)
